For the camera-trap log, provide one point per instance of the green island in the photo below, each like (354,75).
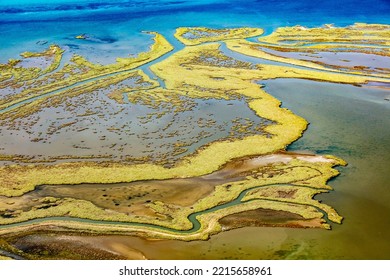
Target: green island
(192,147)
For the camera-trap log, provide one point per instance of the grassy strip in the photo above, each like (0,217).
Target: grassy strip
(19,75)
(160,47)
(58,98)
(359,33)
(265,185)
(197,35)
(252,49)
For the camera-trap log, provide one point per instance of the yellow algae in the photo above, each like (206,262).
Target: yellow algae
(177,72)
(197,71)
(52,50)
(58,98)
(88,71)
(20,74)
(288,128)
(313,48)
(160,47)
(158,96)
(253,49)
(294,194)
(81,37)
(265,184)
(358,38)
(360,33)
(116,95)
(197,35)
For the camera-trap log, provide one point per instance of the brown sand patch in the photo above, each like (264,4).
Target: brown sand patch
(264,217)
(63,247)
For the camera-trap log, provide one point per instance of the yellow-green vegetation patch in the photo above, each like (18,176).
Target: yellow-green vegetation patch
(4,258)
(55,99)
(80,70)
(199,71)
(197,35)
(315,70)
(14,76)
(274,186)
(359,33)
(287,128)
(366,39)
(81,36)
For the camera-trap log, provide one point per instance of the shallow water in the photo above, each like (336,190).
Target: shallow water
(126,131)
(346,59)
(349,122)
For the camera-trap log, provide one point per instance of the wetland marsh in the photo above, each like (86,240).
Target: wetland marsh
(186,145)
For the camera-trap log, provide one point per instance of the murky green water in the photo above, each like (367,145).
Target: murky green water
(354,124)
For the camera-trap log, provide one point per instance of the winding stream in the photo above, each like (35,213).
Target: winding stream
(192,217)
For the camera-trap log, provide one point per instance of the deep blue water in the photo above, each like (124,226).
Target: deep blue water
(116,25)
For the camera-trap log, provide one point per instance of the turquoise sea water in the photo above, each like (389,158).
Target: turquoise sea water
(115,26)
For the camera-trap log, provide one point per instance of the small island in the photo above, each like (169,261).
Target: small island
(81,36)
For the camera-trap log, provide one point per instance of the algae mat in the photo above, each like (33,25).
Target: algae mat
(198,149)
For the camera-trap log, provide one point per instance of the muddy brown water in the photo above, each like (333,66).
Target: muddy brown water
(132,198)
